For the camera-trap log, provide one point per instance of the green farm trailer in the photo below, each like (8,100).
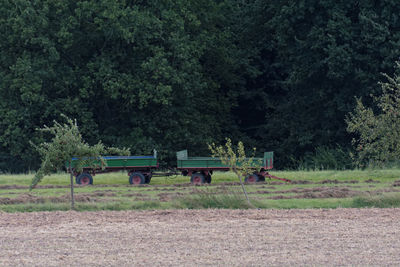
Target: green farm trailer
(200,169)
(140,168)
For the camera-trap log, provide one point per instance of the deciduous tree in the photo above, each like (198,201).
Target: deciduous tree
(67,143)
(377,128)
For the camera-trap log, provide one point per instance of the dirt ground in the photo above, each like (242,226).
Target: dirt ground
(201,237)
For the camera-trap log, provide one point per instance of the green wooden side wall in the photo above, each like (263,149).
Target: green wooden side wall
(122,163)
(183,161)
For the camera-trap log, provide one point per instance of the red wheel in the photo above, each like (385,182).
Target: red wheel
(197,178)
(136,178)
(84,179)
(252,178)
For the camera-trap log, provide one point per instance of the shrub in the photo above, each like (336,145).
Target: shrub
(326,158)
(377,133)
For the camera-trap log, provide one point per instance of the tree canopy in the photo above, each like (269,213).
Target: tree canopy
(67,144)
(172,75)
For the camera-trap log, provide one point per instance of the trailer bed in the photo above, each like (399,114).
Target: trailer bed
(200,169)
(185,162)
(124,162)
(139,168)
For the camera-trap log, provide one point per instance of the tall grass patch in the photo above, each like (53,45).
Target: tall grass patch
(325,158)
(389,200)
(210,199)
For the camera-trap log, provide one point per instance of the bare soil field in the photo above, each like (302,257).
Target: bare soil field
(201,237)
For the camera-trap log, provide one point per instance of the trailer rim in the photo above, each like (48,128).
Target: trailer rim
(136,178)
(252,178)
(85,180)
(197,179)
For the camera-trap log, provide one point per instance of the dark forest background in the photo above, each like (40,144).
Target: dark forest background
(172,75)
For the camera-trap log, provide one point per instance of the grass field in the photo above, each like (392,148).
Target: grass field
(309,189)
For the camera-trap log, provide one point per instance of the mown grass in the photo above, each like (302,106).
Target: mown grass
(113,192)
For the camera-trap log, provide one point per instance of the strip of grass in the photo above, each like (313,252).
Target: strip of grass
(121,178)
(221,201)
(385,175)
(389,200)
(237,201)
(113,192)
(111,206)
(210,199)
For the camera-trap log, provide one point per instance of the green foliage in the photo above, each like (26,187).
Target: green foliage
(377,139)
(67,143)
(325,158)
(175,75)
(140,75)
(308,59)
(235,159)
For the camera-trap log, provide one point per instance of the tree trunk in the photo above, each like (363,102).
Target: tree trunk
(72,186)
(242,185)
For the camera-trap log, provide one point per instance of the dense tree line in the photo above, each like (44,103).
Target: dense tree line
(170,75)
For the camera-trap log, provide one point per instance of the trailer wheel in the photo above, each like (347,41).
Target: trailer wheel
(252,178)
(197,178)
(84,179)
(136,178)
(208,179)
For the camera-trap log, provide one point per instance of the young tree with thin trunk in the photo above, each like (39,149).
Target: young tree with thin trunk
(236,160)
(67,143)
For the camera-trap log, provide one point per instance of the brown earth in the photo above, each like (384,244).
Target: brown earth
(203,237)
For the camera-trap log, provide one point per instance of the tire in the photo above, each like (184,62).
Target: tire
(197,178)
(137,178)
(84,179)
(252,178)
(208,179)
